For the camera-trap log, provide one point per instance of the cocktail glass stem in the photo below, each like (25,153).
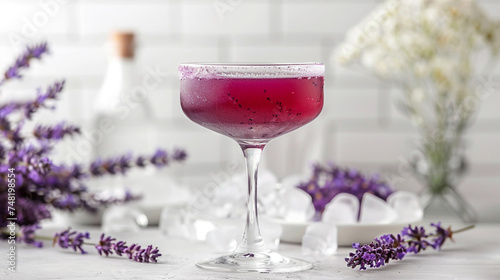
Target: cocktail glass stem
(252,240)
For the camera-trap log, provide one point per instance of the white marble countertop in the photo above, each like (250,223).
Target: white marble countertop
(474,255)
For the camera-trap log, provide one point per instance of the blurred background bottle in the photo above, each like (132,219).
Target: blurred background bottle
(122,111)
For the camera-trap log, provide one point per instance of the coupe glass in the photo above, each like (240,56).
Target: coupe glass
(252,104)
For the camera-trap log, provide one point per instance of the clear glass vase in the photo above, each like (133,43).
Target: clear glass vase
(440,167)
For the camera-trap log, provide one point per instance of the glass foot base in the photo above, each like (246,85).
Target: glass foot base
(262,262)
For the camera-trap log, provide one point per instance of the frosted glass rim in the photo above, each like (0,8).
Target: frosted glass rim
(250,70)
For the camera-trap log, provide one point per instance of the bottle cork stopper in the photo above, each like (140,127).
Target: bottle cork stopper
(123,43)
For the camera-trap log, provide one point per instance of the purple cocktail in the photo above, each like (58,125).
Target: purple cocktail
(252,103)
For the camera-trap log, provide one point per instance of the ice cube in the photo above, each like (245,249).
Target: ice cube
(269,204)
(375,210)
(224,238)
(271,233)
(343,209)
(293,181)
(320,239)
(230,197)
(174,222)
(121,218)
(202,228)
(296,205)
(407,206)
(267,182)
(229,200)
(271,200)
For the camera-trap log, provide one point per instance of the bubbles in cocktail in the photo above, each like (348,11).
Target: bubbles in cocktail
(258,108)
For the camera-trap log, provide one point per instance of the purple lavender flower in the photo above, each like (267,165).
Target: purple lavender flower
(62,239)
(56,132)
(51,93)
(417,236)
(179,155)
(328,181)
(2,152)
(151,254)
(140,161)
(123,163)
(138,254)
(390,247)
(40,183)
(29,211)
(23,61)
(120,247)
(376,254)
(160,158)
(28,235)
(67,201)
(5,111)
(105,245)
(78,241)
(14,135)
(441,235)
(73,239)
(131,251)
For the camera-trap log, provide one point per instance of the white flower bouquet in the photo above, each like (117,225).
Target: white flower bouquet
(427,49)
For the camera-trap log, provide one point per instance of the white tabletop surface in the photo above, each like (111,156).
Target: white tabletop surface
(474,255)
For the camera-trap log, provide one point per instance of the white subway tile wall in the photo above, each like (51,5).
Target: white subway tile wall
(359,127)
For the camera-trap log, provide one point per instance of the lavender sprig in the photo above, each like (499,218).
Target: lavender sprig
(106,246)
(40,183)
(23,61)
(73,239)
(12,131)
(51,93)
(441,235)
(328,181)
(123,163)
(390,247)
(417,241)
(28,236)
(56,132)
(378,253)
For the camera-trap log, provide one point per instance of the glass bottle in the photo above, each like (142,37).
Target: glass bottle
(121,109)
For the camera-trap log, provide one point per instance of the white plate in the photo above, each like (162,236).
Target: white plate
(347,234)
